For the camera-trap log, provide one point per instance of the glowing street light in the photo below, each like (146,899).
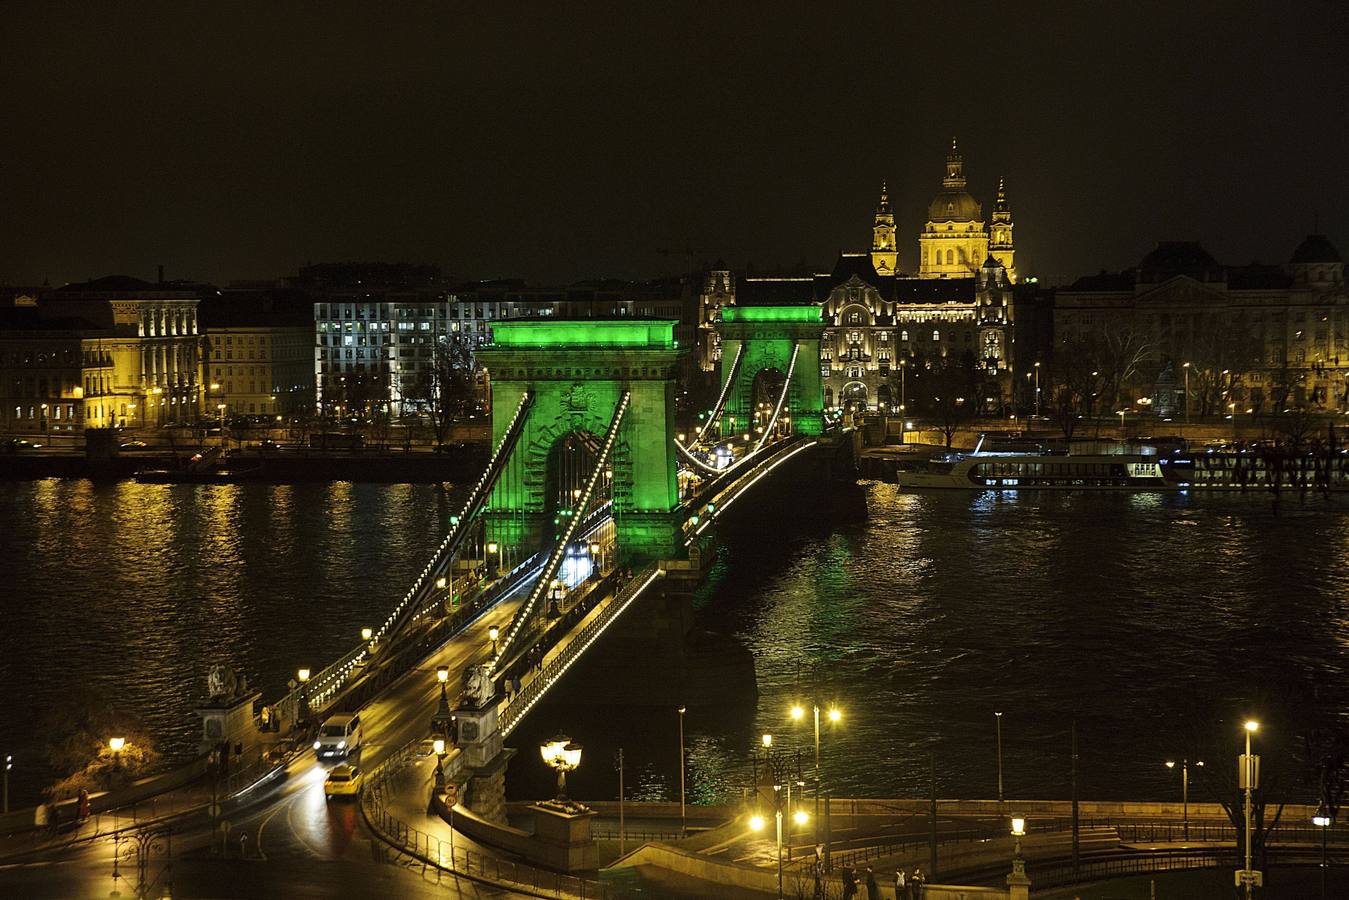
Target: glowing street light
(493,633)
(1185,788)
(116,744)
(1249,778)
(756,823)
(563,755)
(367,633)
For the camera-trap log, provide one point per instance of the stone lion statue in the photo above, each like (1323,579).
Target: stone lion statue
(221,682)
(477,686)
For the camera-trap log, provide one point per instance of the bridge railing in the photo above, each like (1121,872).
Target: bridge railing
(325,685)
(460,526)
(514,710)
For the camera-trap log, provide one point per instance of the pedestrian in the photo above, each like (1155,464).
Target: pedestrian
(873,889)
(515,685)
(84,805)
(849,883)
(901,888)
(917,881)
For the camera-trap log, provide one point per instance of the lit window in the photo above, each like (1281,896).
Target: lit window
(936,335)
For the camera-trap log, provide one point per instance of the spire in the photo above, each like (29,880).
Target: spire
(955,169)
(1001,204)
(884,206)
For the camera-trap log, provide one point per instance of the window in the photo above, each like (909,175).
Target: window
(936,335)
(854,318)
(950,257)
(903,335)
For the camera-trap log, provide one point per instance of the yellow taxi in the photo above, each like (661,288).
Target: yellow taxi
(342,781)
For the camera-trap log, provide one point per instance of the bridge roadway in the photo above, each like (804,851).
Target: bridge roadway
(297,844)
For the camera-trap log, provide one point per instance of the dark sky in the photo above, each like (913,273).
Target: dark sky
(568,140)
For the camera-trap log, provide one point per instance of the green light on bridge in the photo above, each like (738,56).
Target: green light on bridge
(655,334)
(809,313)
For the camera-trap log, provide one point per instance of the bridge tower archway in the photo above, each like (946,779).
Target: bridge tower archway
(763,339)
(578,372)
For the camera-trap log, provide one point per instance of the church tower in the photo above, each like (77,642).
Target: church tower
(884,254)
(1000,233)
(955,241)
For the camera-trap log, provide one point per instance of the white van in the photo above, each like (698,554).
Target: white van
(340,736)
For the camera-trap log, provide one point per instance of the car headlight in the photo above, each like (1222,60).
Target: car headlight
(317,744)
(341,745)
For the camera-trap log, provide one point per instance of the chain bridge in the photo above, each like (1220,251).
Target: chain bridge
(593,503)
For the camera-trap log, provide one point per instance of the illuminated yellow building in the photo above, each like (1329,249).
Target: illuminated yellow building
(884,252)
(152,342)
(956,240)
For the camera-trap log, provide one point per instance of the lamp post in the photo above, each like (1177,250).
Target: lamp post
(564,756)
(1186,367)
(903,397)
(1249,780)
(1185,789)
(221,408)
(115,745)
(997,717)
(159,394)
(683,822)
(1018,876)
(9,764)
(1037,390)
(1323,820)
(302,676)
(438,746)
(782,806)
(367,634)
(492,548)
(835,715)
(493,632)
(1232,408)
(440,722)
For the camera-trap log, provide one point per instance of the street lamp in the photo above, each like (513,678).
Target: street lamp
(1249,780)
(116,744)
(562,755)
(302,676)
(1186,367)
(1323,820)
(440,721)
(493,633)
(997,716)
(1185,788)
(492,548)
(683,822)
(367,634)
(1037,390)
(835,715)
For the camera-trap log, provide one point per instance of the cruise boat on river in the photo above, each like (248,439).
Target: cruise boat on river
(1154,469)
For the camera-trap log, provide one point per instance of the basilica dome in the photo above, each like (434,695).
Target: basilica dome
(954,206)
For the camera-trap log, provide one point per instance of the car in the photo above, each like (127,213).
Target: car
(134,445)
(340,736)
(342,781)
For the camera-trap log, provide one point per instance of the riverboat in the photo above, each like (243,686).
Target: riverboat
(1228,469)
(1012,471)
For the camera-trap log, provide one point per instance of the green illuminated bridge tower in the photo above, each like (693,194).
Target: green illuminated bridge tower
(764,347)
(577,373)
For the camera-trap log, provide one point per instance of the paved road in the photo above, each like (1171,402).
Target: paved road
(294,842)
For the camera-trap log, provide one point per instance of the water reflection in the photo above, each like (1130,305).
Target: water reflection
(1135,614)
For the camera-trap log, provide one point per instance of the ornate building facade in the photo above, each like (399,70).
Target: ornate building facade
(1254,339)
(885,325)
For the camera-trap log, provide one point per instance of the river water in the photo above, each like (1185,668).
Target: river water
(1155,622)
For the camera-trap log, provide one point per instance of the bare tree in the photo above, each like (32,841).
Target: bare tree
(950,395)
(1224,351)
(447,389)
(1076,384)
(1125,357)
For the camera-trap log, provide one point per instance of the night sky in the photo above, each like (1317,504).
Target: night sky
(572,140)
